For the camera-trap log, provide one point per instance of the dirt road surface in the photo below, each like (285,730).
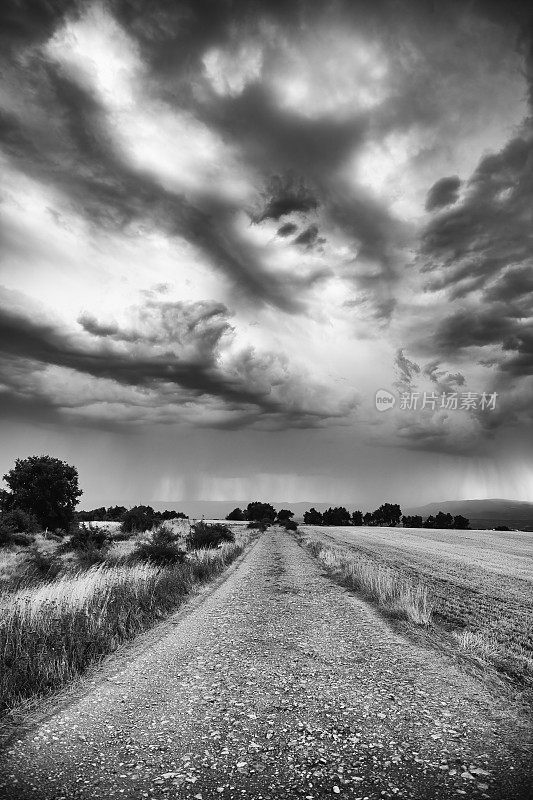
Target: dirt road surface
(279,684)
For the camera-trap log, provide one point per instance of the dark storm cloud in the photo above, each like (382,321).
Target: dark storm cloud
(444,381)
(183,351)
(287,230)
(514,286)
(78,159)
(444,192)
(491,326)
(290,144)
(308,237)
(284,196)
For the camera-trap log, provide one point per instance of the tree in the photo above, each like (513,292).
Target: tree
(388,514)
(284,515)
(412,522)
(138,518)
(115,513)
(357,518)
(237,514)
(313,517)
(430,522)
(336,516)
(260,511)
(45,487)
(368,518)
(461,523)
(444,521)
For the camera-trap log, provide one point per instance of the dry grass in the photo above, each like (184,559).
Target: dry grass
(479,582)
(394,593)
(50,632)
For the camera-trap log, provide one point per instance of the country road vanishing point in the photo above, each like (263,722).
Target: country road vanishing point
(278,684)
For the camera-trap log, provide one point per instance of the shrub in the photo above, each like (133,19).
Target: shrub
(205,535)
(290,525)
(41,564)
(86,537)
(163,547)
(17,527)
(90,556)
(260,525)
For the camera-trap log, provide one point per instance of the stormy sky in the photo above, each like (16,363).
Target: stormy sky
(226,225)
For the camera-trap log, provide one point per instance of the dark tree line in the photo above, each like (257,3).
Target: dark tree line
(440,521)
(388,515)
(128,515)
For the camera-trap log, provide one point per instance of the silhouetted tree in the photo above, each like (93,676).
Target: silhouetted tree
(368,518)
(313,517)
(357,517)
(284,515)
(443,520)
(260,511)
(45,487)
(412,522)
(237,515)
(138,518)
(388,514)
(429,522)
(115,513)
(461,523)
(336,516)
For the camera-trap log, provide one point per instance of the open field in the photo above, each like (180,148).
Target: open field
(480,584)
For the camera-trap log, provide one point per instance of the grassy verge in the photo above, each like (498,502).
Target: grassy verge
(395,594)
(51,632)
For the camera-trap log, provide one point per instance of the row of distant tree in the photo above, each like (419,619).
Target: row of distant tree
(387,515)
(139,514)
(260,512)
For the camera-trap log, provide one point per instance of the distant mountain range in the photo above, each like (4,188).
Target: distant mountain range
(481,513)
(484,513)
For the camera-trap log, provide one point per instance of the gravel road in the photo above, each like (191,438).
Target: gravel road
(279,684)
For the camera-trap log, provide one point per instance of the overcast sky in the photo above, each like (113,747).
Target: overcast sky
(226,225)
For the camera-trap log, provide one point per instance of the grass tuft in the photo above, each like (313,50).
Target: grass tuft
(391,591)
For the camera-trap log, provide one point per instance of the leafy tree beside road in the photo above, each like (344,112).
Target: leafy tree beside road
(45,487)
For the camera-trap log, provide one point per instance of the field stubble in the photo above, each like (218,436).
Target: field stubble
(478,586)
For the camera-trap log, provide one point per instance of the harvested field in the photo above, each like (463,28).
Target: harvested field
(480,584)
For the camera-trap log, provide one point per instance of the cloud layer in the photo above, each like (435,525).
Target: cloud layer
(226,217)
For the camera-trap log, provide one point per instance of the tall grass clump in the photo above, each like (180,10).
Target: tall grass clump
(393,592)
(53,631)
